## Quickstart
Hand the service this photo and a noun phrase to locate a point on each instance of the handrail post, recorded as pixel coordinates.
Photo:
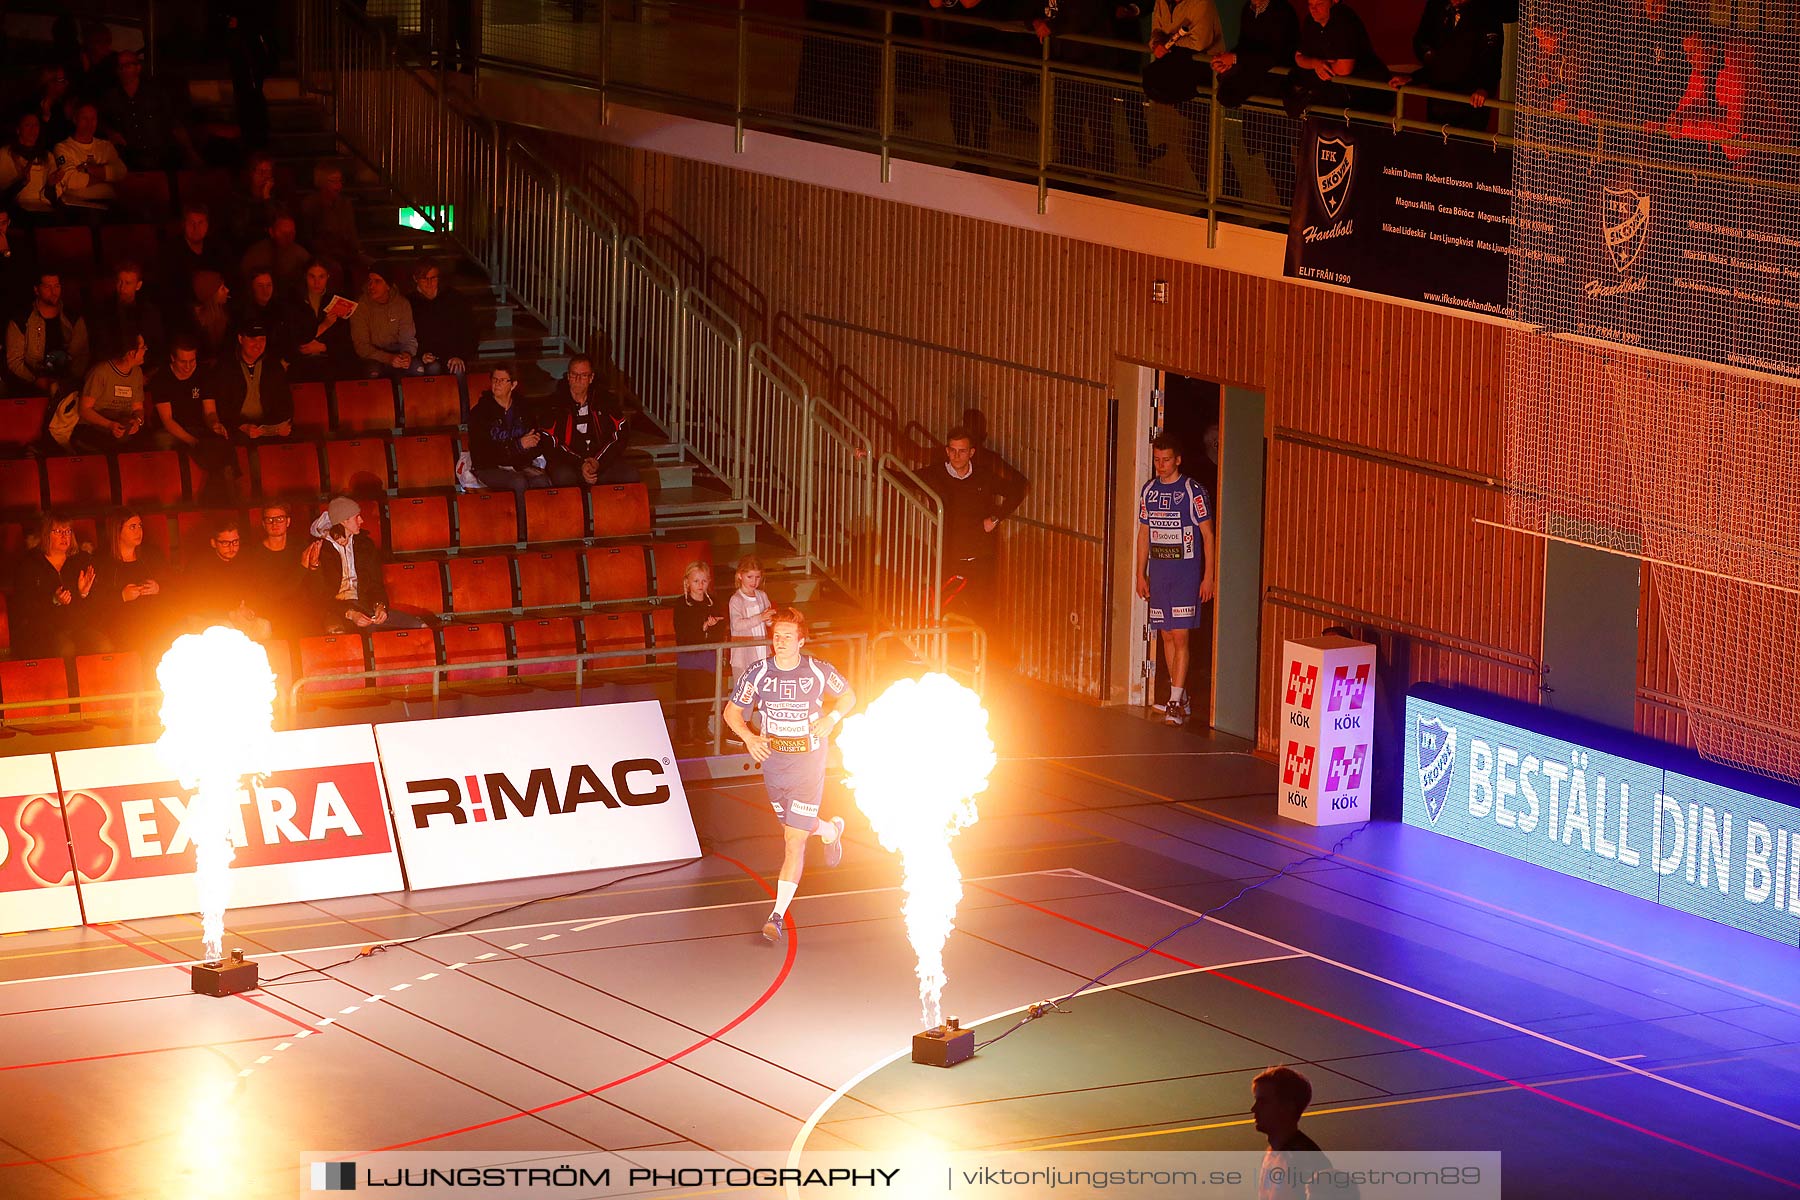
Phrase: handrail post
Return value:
(1044, 133)
(889, 90)
(1215, 165)
(605, 50)
(496, 239)
(558, 315)
(743, 79)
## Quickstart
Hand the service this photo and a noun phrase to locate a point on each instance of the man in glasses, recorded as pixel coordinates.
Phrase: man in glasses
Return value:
(589, 430)
(276, 561)
(442, 321)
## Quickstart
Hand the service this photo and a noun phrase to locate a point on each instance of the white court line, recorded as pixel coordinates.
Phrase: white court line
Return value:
(843, 1089)
(1620, 1063)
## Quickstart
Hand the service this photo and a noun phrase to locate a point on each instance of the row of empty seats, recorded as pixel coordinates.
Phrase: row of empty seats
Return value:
(434, 402)
(34, 689)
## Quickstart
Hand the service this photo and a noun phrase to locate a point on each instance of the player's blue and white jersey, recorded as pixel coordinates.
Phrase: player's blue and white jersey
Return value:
(789, 700)
(1174, 512)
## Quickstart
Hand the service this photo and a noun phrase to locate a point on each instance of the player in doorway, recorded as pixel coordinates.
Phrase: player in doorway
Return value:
(802, 700)
(1174, 574)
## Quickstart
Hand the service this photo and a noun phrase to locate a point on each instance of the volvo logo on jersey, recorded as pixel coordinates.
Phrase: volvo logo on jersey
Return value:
(535, 793)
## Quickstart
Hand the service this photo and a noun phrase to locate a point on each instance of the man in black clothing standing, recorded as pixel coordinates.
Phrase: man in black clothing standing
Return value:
(1334, 43)
(975, 499)
(1461, 45)
(1268, 36)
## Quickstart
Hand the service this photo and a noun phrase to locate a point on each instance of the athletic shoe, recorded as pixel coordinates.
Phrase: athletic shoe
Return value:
(1178, 713)
(834, 849)
(773, 930)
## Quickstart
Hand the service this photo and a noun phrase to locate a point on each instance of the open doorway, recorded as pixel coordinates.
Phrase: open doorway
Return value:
(1190, 414)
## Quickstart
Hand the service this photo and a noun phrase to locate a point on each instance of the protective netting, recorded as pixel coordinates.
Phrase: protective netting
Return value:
(1657, 254)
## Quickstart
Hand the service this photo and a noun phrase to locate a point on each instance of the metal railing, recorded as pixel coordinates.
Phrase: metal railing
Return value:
(785, 456)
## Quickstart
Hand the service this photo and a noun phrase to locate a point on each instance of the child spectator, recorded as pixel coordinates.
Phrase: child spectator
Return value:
(751, 614)
(698, 618)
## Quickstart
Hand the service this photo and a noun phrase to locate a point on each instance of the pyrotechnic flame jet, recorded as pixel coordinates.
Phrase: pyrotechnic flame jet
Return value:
(218, 710)
(917, 759)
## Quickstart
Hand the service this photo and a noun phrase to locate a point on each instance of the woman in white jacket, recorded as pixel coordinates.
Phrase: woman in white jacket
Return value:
(90, 164)
(26, 168)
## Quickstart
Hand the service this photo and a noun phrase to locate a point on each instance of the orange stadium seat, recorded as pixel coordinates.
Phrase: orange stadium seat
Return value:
(5, 629)
(211, 186)
(620, 510)
(475, 644)
(433, 402)
(481, 584)
(312, 409)
(371, 514)
(143, 196)
(141, 243)
(66, 249)
(613, 631)
(426, 460)
(554, 515)
(21, 488)
(549, 579)
(150, 478)
(544, 638)
(419, 523)
(395, 648)
(616, 573)
(107, 675)
(156, 532)
(288, 469)
(671, 561)
(475, 383)
(357, 466)
(33, 679)
(364, 405)
(22, 420)
(662, 629)
(416, 587)
(332, 654)
(486, 518)
(79, 481)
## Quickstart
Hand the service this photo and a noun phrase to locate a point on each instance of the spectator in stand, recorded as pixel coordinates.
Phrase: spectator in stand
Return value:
(90, 164)
(349, 591)
(264, 307)
(242, 29)
(142, 121)
(127, 595)
(588, 430)
(46, 350)
(751, 614)
(382, 329)
(1726, 102)
(209, 320)
(1083, 111)
(278, 563)
(444, 322)
(1131, 23)
(18, 266)
(506, 452)
(189, 419)
(51, 103)
(1461, 45)
(325, 351)
(48, 608)
(257, 200)
(1185, 35)
(251, 392)
(1560, 82)
(699, 620)
(220, 586)
(1268, 36)
(279, 253)
(112, 405)
(1334, 43)
(975, 501)
(94, 69)
(28, 172)
(196, 250)
(123, 314)
(1642, 73)
(328, 219)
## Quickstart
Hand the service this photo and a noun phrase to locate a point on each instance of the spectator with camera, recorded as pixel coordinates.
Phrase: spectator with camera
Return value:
(46, 349)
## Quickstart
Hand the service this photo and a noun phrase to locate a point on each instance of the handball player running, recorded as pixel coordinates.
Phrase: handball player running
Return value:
(802, 700)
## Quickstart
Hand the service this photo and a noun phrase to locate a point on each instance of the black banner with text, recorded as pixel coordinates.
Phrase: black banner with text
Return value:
(1403, 214)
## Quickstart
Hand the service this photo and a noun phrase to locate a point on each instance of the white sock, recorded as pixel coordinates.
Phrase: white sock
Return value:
(784, 895)
(1177, 695)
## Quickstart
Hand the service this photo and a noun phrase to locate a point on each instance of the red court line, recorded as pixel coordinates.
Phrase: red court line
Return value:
(781, 978)
(1411, 1045)
(65, 1062)
(251, 1000)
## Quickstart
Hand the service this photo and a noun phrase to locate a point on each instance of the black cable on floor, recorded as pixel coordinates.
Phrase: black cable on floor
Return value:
(377, 948)
(1046, 1007)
